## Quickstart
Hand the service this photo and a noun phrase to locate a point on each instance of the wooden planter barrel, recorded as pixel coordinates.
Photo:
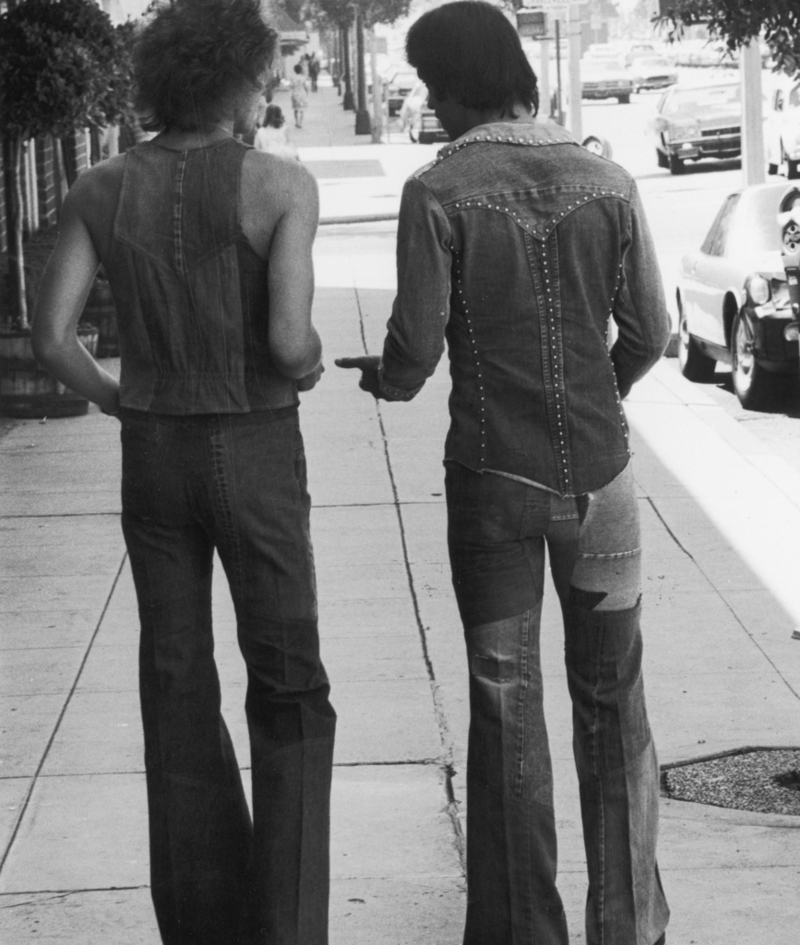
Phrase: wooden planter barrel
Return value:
(28, 391)
(101, 312)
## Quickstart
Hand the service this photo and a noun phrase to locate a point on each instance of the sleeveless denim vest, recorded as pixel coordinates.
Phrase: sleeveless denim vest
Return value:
(191, 293)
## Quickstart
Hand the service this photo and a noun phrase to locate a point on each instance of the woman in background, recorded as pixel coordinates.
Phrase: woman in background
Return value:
(272, 136)
(299, 92)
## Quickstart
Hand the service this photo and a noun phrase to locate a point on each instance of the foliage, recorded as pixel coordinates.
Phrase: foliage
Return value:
(62, 65)
(737, 22)
(341, 12)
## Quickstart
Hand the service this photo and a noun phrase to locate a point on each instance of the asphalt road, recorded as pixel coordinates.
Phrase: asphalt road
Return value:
(680, 211)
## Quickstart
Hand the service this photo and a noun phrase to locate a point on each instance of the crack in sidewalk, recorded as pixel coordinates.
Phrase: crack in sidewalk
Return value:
(35, 779)
(447, 766)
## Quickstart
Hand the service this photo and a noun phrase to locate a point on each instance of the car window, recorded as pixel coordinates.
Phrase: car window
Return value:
(699, 99)
(716, 241)
(759, 231)
(794, 97)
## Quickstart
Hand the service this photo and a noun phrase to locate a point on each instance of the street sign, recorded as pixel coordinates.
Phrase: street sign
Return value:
(532, 23)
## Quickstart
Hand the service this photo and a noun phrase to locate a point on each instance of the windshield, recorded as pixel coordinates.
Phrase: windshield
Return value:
(696, 100)
(602, 65)
(761, 230)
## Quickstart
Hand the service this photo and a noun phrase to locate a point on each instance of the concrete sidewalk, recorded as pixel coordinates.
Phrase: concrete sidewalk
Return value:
(721, 519)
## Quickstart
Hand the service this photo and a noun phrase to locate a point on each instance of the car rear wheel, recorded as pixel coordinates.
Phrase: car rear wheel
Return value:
(676, 165)
(753, 385)
(694, 364)
(624, 99)
(597, 145)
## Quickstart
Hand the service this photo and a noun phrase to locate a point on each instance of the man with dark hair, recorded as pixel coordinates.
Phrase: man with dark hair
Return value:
(207, 247)
(518, 247)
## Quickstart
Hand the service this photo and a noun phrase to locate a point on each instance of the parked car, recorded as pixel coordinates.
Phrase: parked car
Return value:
(733, 298)
(420, 121)
(652, 72)
(397, 88)
(695, 123)
(605, 78)
(782, 129)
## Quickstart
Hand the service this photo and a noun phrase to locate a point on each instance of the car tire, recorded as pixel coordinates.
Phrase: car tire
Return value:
(661, 158)
(752, 384)
(772, 169)
(792, 169)
(624, 99)
(694, 364)
(597, 145)
(676, 165)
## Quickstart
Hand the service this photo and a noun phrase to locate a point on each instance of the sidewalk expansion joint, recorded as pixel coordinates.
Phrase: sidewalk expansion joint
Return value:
(61, 894)
(389, 764)
(34, 780)
(448, 770)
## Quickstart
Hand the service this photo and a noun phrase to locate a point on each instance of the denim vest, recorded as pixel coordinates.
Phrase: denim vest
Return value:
(190, 292)
(519, 246)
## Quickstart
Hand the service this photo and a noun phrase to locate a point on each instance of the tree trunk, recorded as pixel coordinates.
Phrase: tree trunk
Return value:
(347, 102)
(377, 89)
(16, 257)
(59, 175)
(363, 123)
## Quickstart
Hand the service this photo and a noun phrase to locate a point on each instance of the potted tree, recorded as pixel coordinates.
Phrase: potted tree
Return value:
(63, 67)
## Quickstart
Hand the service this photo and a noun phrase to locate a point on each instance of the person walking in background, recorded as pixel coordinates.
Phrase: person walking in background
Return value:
(272, 136)
(313, 70)
(207, 244)
(518, 246)
(299, 93)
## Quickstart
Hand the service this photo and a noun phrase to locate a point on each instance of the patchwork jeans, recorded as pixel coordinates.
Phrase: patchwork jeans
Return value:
(497, 530)
(237, 484)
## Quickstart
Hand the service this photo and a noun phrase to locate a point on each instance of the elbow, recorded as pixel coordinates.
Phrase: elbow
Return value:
(45, 346)
(297, 361)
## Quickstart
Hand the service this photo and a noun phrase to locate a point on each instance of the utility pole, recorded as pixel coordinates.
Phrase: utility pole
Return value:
(575, 92)
(753, 160)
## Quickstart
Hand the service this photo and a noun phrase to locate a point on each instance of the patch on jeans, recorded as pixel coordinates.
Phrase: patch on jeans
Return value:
(586, 600)
(490, 667)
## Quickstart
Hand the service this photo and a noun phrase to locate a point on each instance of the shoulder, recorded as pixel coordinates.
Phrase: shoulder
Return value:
(273, 186)
(97, 189)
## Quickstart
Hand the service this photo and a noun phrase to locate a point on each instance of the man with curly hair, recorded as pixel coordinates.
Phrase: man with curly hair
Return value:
(518, 247)
(206, 244)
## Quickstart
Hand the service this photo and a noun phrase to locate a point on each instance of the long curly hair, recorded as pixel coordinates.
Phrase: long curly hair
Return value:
(195, 59)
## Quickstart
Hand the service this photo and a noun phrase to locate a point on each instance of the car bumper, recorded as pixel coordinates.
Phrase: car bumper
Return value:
(707, 146)
(770, 347)
(606, 92)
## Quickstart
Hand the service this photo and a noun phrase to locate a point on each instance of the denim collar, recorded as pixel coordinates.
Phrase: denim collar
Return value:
(509, 132)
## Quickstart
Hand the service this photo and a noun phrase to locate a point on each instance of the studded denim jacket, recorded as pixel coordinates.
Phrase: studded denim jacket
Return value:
(519, 246)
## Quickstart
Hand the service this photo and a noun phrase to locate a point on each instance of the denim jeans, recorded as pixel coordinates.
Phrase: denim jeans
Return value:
(497, 531)
(237, 484)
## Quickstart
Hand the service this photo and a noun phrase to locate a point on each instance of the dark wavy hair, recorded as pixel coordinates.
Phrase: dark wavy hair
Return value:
(195, 59)
(469, 51)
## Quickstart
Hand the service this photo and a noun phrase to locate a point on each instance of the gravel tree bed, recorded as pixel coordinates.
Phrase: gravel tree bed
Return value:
(762, 780)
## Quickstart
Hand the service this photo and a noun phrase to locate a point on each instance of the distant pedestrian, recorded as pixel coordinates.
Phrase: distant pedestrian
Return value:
(272, 135)
(299, 93)
(207, 246)
(313, 71)
(518, 247)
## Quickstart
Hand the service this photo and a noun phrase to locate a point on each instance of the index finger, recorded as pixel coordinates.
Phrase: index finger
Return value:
(349, 362)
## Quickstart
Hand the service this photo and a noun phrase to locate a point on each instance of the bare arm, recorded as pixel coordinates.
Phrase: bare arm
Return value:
(65, 286)
(294, 343)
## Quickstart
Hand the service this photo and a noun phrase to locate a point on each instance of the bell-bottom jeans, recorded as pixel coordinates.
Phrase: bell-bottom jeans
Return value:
(237, 484)
(497, 529)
